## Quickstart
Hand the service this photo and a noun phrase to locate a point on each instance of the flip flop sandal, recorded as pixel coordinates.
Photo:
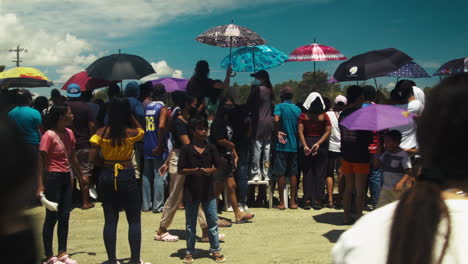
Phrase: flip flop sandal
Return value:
(219, 258)
(166, 237)
(280, 207)
(224, 223)
(50, 261)
(245, 218)
(188, 259)
(67, 260)
(293, 207)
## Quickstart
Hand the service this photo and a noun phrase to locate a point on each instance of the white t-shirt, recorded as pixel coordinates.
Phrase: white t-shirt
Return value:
(335, 136)
(368, 240)
(408, 132)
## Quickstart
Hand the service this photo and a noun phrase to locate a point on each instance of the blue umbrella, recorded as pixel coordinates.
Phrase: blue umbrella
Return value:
(252, 59)
(410, 70)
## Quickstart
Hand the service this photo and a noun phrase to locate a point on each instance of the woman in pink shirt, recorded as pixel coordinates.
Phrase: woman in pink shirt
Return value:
(57, 158)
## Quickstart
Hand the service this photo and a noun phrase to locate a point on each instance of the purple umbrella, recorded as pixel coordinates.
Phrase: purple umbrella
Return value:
(172, 84)
(377, 117)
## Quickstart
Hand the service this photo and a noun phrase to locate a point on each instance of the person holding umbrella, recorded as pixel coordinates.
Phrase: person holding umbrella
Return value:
(200, 86)
(356, 157)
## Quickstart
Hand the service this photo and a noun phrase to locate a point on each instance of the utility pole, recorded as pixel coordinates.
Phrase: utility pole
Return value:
(18, 50)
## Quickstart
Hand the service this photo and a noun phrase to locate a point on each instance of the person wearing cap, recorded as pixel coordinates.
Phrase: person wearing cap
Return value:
(29, 122)
(286, 160)
(83, 127)
(334, 153)
(260, 104)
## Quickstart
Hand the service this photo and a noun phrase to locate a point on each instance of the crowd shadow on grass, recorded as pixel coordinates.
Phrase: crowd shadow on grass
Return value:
(331, 218)
(199, 254)
(122, 261)
(333, 235)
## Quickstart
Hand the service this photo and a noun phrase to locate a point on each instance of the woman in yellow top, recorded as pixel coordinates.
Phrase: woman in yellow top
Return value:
(117, 186)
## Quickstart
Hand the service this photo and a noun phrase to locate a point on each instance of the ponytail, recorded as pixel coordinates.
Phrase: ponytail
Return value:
(416, 223)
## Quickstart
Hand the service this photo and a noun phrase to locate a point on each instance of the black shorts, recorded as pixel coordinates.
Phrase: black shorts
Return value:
(285, 164)
(224, 170)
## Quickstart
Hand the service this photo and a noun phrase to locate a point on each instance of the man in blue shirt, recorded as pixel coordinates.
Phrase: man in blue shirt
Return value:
(285, 165)
(29, 120)
(154, 150)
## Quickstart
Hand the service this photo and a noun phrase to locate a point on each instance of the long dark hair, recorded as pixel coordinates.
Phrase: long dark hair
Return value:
(222, 101)
(53, 115)
(119, 120)
(202, 69)
(421, 209)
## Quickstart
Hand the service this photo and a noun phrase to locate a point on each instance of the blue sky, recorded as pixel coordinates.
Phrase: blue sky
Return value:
(164, 32)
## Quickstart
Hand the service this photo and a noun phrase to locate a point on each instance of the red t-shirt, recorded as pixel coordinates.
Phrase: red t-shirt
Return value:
(56, 158)
(314, 128)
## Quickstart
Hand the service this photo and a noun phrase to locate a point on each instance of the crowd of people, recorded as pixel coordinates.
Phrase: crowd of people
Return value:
(147, 150)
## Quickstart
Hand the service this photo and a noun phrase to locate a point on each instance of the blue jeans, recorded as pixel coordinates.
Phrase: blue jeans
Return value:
(152, 180)
(260, 158)
(375, 184)
(57, 189)
(191, 213)
(242, 174)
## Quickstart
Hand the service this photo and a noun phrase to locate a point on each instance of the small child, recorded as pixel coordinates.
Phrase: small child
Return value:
(198, 162)
(396, 166)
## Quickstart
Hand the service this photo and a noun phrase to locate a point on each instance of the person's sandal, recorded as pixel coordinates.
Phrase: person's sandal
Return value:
(224, 223)
(51, 261)
(67, 260)
(218, 257)
(245, 218)
(188, 259)
(166, 237)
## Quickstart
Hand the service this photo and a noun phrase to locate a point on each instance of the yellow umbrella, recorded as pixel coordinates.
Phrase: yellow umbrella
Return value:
(24, 77)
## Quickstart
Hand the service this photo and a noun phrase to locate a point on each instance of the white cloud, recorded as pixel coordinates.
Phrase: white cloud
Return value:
(66, 72)
(43, 48)
(390, 85)
(162, 69)
(115, 18)
(429, 64)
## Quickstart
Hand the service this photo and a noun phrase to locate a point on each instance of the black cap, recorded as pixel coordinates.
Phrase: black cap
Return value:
(261, 74)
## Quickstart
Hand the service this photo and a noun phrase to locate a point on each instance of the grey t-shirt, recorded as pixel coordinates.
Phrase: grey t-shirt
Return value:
(261, 107)
(394, 166)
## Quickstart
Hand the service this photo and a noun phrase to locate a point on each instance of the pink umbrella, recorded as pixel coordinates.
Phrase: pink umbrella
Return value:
(315, 52)
(87, 83)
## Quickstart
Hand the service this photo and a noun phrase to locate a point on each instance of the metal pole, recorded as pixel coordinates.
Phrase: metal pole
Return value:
(253, 59)
(230, 50)
(121, 81)
(375, 81)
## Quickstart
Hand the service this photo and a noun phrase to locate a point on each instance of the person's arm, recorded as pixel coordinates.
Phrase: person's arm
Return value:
(378, 152)
(235, 157)
(300, 132)
(281, 135)
(161, 132)
(75, 164)
(135, 123)
(226, 144)
(94, 157)
(226, 82)
(42, 160)
(191, 171)
(401, 184)
(324, 137)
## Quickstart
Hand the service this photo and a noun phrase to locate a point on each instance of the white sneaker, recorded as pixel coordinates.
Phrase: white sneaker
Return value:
(256, 178)
(230, 209)
(93, 193)
(266, 178)
(241, 208)
(246, 208)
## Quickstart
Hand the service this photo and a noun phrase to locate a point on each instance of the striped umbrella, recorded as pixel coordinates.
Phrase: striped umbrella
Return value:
(315, 52)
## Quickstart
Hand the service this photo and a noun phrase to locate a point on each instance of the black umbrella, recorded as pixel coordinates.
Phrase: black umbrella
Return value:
(453, 66)
(371, 64)
(120, 67)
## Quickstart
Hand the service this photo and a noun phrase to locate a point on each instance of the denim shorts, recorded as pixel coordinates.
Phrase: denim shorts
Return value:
(285, 164)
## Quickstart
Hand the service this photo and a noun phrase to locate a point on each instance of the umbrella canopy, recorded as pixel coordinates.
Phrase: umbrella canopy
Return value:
(252, 59)
(453, 66)
(315, 52)
(120, 67)
(377, 117)
(371, 64)
(24, 77)
(230, 36)
(172, 84)
(85, 82)
(410, 70)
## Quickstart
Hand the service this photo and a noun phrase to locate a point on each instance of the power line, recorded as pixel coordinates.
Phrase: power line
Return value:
(17, 51)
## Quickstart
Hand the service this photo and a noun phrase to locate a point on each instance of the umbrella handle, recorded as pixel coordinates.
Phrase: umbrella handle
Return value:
(233, 74)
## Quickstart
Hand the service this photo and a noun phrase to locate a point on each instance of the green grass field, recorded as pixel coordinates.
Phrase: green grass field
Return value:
(289, 236)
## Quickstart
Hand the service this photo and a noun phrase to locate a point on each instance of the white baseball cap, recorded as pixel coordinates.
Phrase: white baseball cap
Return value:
(341, 99)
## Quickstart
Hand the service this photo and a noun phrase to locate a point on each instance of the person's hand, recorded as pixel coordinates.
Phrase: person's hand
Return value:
(307, 150)
(235, 160)
(314, 149)
(208, 171)
(229, 71)
(281, 137)
(411, 181)
(40, 189)
(399, 187)
(158, 151)
(163, 169)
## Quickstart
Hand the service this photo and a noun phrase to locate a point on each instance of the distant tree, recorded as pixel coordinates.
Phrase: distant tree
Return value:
(102, 94)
